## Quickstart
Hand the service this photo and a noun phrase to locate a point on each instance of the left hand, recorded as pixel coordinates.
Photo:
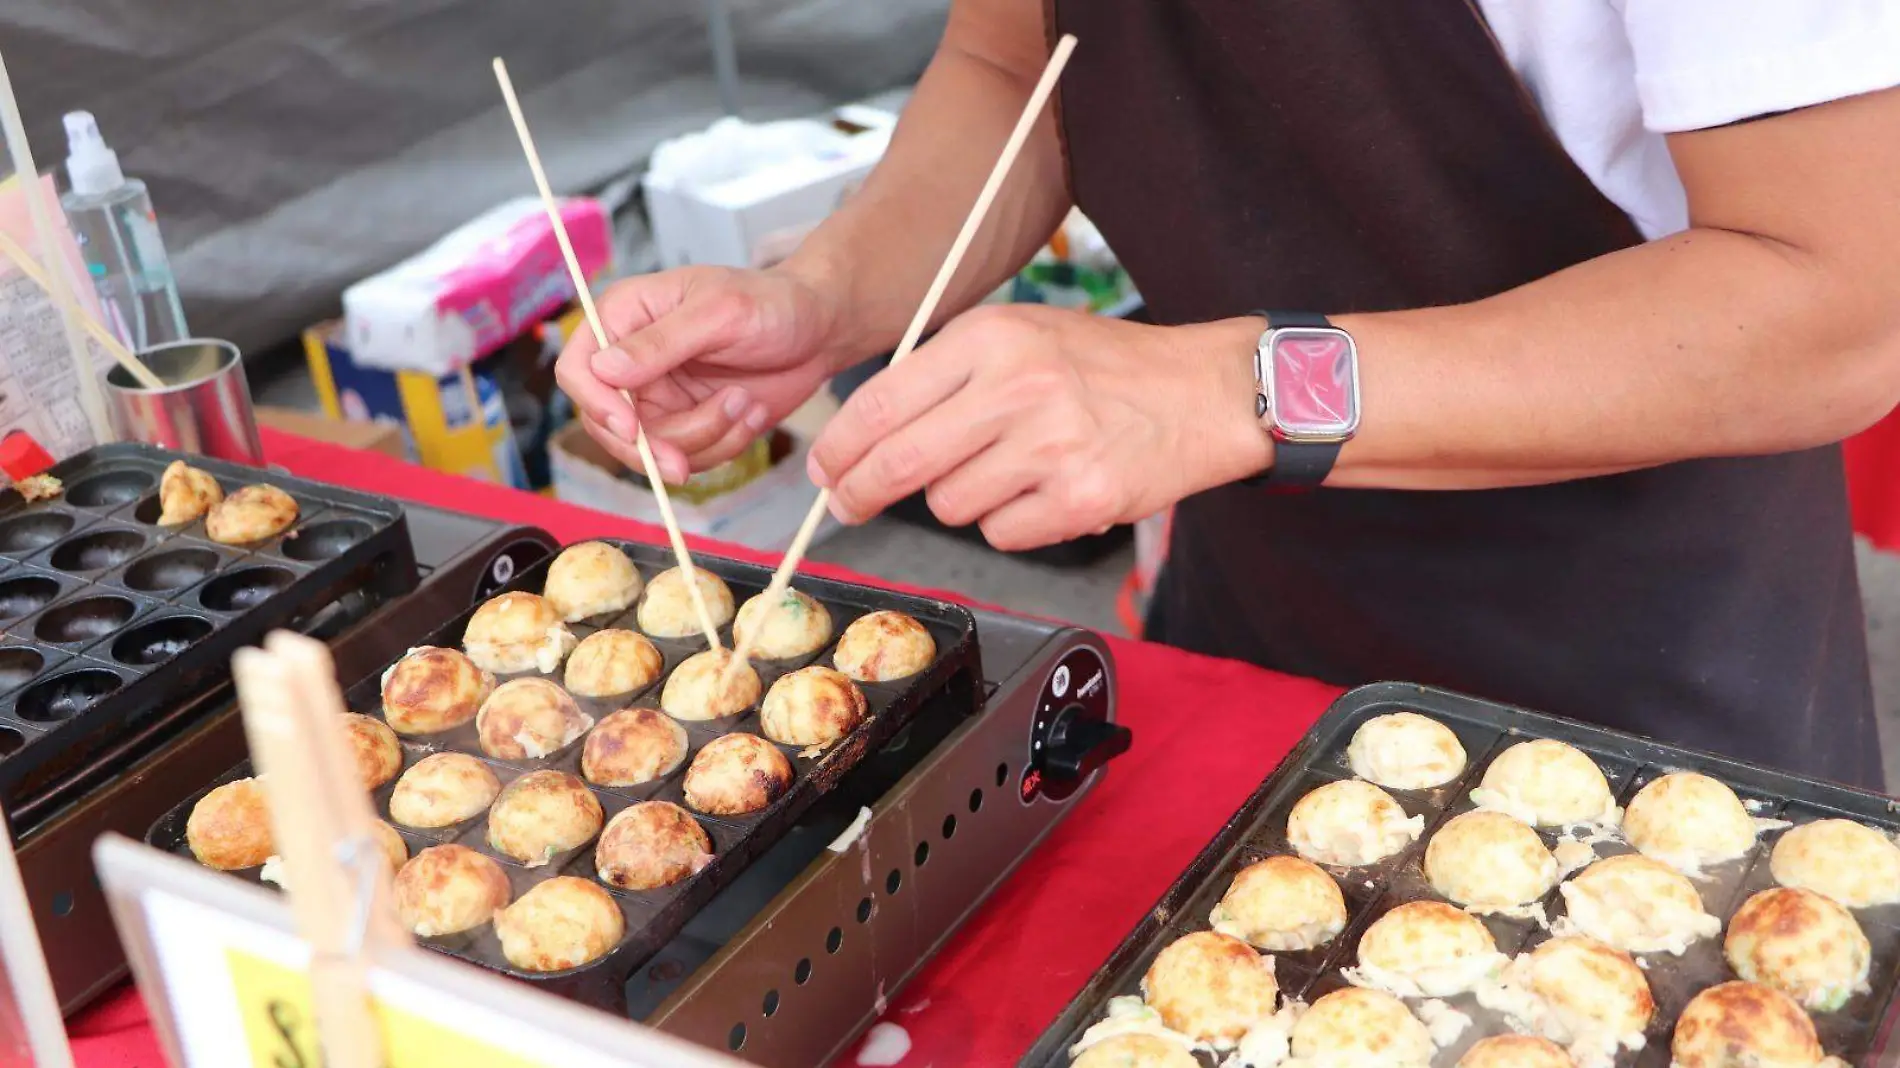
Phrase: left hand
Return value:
(1042, 425)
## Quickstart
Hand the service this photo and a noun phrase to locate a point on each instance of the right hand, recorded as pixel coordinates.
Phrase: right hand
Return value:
(713, 357)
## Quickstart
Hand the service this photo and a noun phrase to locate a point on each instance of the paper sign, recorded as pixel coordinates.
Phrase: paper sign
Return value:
(226, 981)
(39, 393)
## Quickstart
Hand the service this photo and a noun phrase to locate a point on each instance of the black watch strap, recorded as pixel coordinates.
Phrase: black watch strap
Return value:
(1296, 464)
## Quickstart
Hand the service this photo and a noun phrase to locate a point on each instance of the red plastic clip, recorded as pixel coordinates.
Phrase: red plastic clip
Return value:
(22, 457)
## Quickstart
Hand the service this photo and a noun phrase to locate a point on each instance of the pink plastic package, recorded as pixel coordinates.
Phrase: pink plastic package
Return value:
(483, 285)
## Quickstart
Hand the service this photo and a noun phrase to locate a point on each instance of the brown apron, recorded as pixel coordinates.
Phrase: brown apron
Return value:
(1364, 155)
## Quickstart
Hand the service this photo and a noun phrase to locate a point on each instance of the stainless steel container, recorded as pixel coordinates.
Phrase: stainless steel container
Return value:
(205, 407)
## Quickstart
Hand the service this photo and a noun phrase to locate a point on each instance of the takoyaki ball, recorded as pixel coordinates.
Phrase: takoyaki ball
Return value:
(1136, 1051)
(433, 689)
(650, 845)
(517, 632)
(667, 609)
(394, 849)
(884, 647)
(632, 746)
(374, 749)
(559, 924)
(1356, 1026)
(611, 662)
(252, 514)
(1855, 865)
(1688, 820)
(448, 889)
(591, 579)
(1801, 943)
(1547, 783)
(1282, 904)
(1210, 987)
(542, 815)
(699, 688)
(1743, 1025)
(229, 828)
(1516, 1051)
(797, 625)
(735, 774)
(185, 493)
(1489, 861)
(442, 790)
(1349, 823)
(1638, 905)
(1405, 751)
(812, 706)
(1427, 949)
(526, 719)
(1578, 992)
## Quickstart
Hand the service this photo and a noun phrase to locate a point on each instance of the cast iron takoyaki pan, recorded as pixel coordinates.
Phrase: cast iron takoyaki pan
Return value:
(109, 616)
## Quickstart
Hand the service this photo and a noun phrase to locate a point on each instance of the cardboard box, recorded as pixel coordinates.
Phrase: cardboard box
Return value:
(385, 438)
(763, 513)
(434, 415)
(739, 195)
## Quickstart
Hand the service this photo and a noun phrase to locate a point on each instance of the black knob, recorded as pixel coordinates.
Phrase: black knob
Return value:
(1077, 744)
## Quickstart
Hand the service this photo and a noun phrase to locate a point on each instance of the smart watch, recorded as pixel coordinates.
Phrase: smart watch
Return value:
(1306, 394)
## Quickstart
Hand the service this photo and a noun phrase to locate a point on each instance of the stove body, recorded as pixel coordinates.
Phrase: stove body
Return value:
(794, 960)
(460, 559)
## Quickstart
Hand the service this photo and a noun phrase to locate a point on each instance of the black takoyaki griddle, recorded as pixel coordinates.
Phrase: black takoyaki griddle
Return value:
(459, 560)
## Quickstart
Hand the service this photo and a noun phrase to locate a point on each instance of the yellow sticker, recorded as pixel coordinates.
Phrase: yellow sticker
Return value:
(280, 1026)
(274, 1001)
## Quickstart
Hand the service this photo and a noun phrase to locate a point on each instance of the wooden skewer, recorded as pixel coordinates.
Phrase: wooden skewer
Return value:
(586, 297)
(775, 593)
(107, 340)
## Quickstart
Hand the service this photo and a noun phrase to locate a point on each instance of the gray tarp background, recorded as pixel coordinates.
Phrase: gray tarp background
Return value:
(293, 146)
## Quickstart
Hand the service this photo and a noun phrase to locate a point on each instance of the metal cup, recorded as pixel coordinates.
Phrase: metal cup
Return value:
(205, 408)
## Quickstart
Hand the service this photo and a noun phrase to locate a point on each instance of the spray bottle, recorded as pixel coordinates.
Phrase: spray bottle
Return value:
(112, 217)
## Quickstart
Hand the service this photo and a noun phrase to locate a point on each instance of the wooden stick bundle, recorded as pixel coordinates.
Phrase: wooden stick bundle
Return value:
(336, 877)
(775, 594)
(601, 339)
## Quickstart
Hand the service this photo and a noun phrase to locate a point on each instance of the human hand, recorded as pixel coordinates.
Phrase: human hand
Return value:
(712, 356)
(1042, 425)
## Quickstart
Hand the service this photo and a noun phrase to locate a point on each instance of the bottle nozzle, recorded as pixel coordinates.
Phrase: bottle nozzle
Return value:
(91, 165)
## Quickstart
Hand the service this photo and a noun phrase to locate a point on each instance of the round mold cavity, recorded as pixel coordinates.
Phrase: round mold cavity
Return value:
(110, 490)
(11, 742)
(66, 696)
(26, 594)
(18, 665)
(245, 588)
(172, 569)
(160, 640)
(325, 540)
(35, 530)
(87, 619)
(97, 550)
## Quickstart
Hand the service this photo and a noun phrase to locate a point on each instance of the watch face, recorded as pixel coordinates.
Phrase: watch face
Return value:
(1313, 383)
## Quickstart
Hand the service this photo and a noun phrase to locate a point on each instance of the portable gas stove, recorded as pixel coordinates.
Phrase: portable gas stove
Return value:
(460, 560)
(790, 963)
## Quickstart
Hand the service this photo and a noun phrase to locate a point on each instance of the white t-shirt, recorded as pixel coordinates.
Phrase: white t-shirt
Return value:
(1614, 76)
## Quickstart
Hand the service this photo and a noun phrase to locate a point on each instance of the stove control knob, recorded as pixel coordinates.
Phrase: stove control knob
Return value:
(1073, 733)
(1077, 744)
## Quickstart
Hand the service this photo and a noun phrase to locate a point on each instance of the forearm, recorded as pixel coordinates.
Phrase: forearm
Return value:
(875, 257)
(1709, 343)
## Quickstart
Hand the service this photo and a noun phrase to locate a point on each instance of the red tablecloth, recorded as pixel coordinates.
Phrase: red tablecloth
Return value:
(995, 987)
(1873, 481)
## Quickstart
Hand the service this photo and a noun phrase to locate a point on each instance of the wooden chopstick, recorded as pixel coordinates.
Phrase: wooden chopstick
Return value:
(782, 578)
(586, 297)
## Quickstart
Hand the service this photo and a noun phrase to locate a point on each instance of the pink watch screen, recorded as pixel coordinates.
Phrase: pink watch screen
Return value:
(1313, 387)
